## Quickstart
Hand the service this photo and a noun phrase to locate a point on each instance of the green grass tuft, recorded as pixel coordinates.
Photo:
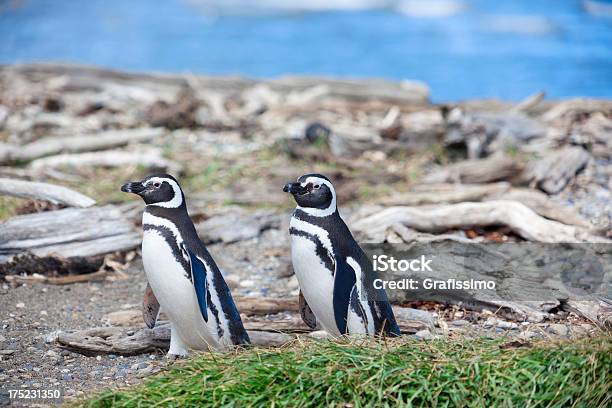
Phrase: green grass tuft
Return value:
(405, 372)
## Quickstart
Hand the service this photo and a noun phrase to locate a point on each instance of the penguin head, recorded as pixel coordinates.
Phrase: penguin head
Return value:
(314, 194)
(161, 190)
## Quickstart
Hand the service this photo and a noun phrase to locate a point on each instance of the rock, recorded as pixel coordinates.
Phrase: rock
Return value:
(292, 283)
(502, 324)
(232, 280)
(409, 314)
(317, 133)
(52, 337)
(6, 352)
(20, 305)
(320, 334)
(460, 323)
(424, 335)
(67, 377)
(558, 329)
(247, 283)
(2, 338)
(526, 335)
(124, 318)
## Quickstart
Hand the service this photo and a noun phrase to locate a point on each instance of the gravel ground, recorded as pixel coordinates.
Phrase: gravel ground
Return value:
(30, 314)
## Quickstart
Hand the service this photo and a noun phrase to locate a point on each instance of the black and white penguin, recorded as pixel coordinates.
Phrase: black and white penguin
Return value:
(331, 268)
(182, 276)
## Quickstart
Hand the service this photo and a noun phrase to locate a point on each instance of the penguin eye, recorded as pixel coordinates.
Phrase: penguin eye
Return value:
(316, 186)
(157, 184)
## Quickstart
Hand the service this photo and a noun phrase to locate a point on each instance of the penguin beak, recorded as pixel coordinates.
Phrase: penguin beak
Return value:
(294, 188)
(135, 187)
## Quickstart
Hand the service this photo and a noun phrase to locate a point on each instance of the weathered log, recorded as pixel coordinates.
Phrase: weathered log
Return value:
(264, 306)
(44, 191)
(518, 217)
(494, 168)
(66, 234)
(446, 194)
(132, 341)
(597, 310)
(555, 170)
(151, 158)
(404, 92)
(236, 226)
(529, 102)
(431, 194)
(82, 143)
(541, 204)
(528, 280)
(57, 280)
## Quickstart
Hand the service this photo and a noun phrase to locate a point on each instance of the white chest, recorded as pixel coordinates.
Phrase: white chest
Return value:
(316, 281)
(176, 294)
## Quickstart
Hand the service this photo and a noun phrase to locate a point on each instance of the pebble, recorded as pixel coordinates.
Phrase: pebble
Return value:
(20, 305)
(232, 280)
(558, 329)
(460, 322)
(319, 334)
(423, 335)
(67, 377)
(526, 335)
(247, 283)
(407, 313)
(52, 337)
(2, 338)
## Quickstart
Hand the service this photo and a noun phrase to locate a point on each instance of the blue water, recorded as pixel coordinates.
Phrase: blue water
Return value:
(486, 48)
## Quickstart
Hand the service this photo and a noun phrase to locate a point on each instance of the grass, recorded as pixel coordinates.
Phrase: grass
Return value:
(405, 372)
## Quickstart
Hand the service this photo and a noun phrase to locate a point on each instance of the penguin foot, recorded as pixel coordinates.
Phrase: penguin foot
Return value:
(173, 357)
(177, 345)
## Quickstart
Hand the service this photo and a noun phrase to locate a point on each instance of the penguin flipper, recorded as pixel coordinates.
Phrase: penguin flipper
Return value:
(307, 315)
(344, 280)
(357, 308)
(150, 307)
(198, 275)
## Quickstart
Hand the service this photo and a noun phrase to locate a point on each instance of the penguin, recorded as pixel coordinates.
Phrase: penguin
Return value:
(332, 270)
(183, 278)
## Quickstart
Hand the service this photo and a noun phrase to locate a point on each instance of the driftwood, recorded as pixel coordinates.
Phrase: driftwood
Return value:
(494, 168)
(66, 234)
(265, 306)
(44, 191)
(541, 204)
(446, 194)
(236, 226)
(518, 217)
(431, 194)
(530, 279)
(131, 341)
(58, 280)
(82, 143)
(360, 90)
(529, 102)
(151, 159)
(555, 170)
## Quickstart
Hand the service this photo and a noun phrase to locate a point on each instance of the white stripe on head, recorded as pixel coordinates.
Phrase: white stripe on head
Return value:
(318, 212)
(177, 199)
